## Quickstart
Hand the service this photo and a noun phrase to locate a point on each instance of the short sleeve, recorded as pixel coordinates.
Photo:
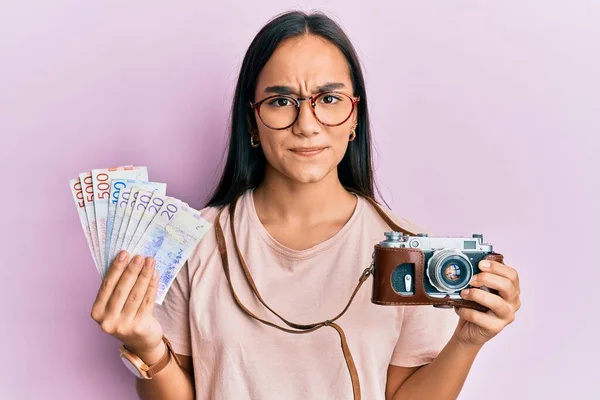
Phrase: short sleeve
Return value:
(424, 332)
(173, 314)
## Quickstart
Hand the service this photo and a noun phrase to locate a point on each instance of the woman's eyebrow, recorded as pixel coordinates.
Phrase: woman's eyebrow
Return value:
(328, 87)
(287, 90)
(278, 89)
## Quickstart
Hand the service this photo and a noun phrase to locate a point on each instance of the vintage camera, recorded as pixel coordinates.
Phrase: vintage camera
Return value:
(423, 270)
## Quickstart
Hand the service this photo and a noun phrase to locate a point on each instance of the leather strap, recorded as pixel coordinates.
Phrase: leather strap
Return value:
(305, 328)
(164, 361)
(300, 328)
(296, 328)
(385, 216)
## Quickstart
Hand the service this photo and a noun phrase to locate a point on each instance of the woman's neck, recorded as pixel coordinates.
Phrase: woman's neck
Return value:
(279, 199)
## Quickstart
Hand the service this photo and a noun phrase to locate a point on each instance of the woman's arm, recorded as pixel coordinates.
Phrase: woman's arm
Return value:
(124, 309)
(444, 377)
(441, 379)
(172, 383)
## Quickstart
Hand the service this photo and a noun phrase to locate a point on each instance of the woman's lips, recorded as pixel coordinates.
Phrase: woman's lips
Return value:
(308, 151)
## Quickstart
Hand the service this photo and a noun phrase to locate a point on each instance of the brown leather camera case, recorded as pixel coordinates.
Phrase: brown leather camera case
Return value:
(388, 258)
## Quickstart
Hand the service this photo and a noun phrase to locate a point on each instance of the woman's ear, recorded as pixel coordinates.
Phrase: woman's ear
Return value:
(354, 120)
(354, 117)
(251, 121)
(252, 129)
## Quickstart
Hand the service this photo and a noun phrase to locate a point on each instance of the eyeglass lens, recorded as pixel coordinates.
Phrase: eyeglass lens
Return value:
(330, 109)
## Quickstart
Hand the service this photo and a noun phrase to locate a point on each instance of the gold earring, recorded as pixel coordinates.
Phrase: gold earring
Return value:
(352, 133)
(253, 141)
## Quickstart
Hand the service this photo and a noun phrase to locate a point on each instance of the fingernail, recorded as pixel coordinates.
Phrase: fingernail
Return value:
(155, 274)
(122, 255)
(138, 260)
(484, 264)
(465, 292)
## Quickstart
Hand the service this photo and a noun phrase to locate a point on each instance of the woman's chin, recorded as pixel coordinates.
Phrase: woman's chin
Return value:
(312, 175)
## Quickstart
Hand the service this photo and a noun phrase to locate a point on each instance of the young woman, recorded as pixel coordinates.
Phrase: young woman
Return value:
(254, 312)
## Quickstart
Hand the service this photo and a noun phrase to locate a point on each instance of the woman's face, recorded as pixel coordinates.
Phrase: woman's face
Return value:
(308, 151)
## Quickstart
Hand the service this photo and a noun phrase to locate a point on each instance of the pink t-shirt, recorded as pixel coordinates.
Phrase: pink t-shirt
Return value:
(236, 357)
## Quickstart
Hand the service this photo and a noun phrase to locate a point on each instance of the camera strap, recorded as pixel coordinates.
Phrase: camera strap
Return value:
(294, 327)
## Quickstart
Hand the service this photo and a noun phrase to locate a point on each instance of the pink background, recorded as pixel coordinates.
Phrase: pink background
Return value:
(485, 116)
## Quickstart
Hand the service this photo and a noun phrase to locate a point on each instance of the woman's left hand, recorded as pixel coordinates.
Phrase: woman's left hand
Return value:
(477, 327)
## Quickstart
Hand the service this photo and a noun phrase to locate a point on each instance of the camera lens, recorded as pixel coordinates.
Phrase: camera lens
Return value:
(449, 271)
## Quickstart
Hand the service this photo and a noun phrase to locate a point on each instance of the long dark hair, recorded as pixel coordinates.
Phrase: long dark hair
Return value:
(245, 165)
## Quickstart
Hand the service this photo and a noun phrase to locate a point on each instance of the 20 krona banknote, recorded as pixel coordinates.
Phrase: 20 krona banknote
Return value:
(119, 209)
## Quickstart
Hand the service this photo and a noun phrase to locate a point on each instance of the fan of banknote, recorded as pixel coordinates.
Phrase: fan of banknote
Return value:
(120, 209)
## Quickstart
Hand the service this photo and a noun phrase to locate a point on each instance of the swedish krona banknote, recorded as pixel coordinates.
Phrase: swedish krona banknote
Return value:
(120, 209)
(170, 238)
(101, 179)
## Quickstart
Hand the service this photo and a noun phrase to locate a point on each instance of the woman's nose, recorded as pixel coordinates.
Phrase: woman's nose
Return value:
(306, 124)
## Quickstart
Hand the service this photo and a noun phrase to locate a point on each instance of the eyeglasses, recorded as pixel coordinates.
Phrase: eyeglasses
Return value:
(281, 111)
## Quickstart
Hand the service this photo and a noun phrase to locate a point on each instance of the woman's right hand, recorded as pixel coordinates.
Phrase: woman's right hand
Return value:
(125, 301)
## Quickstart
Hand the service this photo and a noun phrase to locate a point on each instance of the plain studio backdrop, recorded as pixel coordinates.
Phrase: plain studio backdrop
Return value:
(485, 119)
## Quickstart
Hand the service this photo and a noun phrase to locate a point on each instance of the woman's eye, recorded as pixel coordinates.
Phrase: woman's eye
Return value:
(280, 102)
(330, 99)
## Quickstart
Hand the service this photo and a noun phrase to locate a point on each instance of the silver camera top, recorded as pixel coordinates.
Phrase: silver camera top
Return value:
(425, 243)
